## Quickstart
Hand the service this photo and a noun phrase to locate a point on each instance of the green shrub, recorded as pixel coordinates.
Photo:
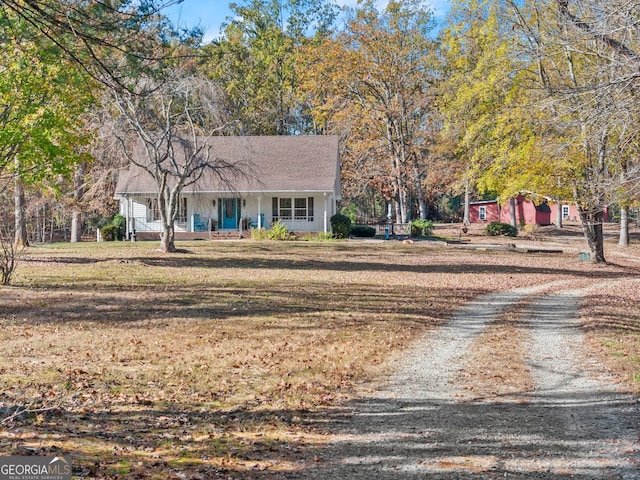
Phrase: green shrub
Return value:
(109, 233)
(115, 230)
(120, 225)
(340, 225)
(495, 229)
(421, 228)
(279, 231)
(259, 234)
(363, 231)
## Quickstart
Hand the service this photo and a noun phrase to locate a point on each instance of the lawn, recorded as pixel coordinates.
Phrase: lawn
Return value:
(224, 360)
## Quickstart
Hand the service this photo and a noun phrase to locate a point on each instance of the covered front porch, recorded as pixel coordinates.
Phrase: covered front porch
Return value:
(203, 213)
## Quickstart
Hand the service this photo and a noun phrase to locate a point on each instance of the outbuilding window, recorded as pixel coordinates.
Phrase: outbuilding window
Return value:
(482, 213)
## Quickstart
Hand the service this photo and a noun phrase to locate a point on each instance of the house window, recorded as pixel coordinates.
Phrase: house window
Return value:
(565, 212)
(482, 213)
(153, 210)
(284, 211)
(285, 208)
(182, 211)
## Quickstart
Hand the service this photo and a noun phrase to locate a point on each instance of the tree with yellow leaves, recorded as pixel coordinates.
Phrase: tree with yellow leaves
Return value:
(43, 100)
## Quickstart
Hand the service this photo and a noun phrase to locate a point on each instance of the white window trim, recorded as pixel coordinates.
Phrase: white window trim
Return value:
(307, 213)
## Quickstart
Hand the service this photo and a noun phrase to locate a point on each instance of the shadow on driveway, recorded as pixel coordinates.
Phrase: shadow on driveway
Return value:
(589, 436)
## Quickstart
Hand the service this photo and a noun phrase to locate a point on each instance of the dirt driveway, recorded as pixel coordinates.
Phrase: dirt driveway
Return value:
(454, 409)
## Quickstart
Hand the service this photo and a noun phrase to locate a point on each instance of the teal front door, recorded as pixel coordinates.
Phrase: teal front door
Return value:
(229, 213)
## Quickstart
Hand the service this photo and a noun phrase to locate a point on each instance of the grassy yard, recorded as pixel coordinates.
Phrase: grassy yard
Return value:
(225, 359)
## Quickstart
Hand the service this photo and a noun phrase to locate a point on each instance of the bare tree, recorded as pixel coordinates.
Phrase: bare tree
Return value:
(164, 130)
(9, 256)
(10, 252)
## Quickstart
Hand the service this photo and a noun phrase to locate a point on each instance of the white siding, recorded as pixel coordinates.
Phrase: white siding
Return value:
(206, 206)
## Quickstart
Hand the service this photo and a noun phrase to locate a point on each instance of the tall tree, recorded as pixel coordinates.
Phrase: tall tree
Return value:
(587, 60)
(377, 81)
(43, 101)
(475, 89)
(256, 62)
(550, 127)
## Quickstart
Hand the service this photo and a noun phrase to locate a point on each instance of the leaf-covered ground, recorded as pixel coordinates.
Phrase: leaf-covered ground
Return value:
(220, 361)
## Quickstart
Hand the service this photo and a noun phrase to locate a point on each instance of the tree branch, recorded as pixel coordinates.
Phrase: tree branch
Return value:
(612, 43)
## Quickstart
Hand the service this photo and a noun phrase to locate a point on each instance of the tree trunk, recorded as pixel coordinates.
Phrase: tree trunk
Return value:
(76, 213)
(167, 239)
(422, 203)
(402, 202)
(76, 225)
(397, 167)
(624, 227)
(512, 212)
(467, 202)
(43, 231)
(559, 215)
(592, 229)
(52, 224)
(20, 238)
(168, 209)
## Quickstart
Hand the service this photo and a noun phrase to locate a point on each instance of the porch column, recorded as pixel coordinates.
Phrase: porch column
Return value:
(132, 219)
(127, 222)
(325, 213)
(259, 212)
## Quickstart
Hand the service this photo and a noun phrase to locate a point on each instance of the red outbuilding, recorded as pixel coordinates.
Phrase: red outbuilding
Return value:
(527, 212)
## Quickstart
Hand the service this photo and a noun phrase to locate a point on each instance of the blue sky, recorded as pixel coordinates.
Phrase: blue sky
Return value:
(209, 14)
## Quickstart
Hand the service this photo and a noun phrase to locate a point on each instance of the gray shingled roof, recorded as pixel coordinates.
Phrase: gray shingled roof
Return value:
(271, 164)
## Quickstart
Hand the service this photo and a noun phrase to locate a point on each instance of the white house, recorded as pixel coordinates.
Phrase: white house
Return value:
(294, 179)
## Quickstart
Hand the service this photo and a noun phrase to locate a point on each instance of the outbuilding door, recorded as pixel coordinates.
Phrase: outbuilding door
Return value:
(229, 213)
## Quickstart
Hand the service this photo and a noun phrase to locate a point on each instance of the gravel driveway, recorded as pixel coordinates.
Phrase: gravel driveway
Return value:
(574, 422)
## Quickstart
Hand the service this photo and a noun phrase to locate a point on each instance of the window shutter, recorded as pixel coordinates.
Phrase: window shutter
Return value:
(310, 209)
(274, 207)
